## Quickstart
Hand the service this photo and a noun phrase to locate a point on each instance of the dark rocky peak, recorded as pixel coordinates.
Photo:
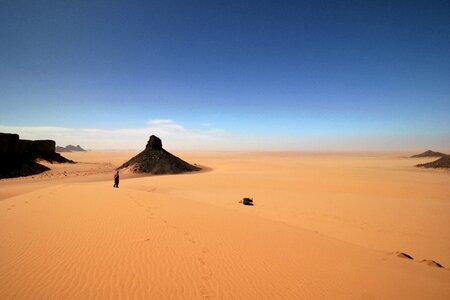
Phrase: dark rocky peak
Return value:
(154, 143)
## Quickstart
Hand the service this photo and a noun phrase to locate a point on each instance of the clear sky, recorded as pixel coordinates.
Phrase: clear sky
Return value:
(269, 75)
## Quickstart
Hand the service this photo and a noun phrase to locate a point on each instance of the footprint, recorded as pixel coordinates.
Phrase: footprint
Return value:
(204, 292)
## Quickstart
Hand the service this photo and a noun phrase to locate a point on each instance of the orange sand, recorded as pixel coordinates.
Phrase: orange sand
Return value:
(324, 226)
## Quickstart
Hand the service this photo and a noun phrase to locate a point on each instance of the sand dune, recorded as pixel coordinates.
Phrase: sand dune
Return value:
(323, 227)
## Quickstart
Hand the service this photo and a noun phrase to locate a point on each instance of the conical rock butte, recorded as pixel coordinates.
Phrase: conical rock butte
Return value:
(155, 160)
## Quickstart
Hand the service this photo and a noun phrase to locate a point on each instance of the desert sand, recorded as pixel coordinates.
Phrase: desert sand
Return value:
(324, 226)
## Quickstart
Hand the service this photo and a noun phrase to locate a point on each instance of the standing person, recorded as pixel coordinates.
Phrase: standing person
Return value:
(116, 179)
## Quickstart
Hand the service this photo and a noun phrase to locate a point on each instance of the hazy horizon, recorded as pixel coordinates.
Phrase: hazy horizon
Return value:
(182, 139)
(294, 76)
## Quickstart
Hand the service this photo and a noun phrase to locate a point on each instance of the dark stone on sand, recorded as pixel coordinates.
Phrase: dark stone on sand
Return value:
(155, 160)
(443, 162)
(429, 153)
(247, 201)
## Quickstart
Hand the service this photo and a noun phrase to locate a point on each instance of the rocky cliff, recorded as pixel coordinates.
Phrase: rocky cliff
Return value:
(18, 157)
(9, 144)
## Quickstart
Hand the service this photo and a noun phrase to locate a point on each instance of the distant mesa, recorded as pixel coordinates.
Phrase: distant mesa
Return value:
(69, 148)
(61, 149)
(429, 153)
(155, 160)
(18, 157)
(443, 162)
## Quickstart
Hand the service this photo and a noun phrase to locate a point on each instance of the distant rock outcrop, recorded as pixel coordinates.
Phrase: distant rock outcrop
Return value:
(74, 148)
(155, 160)
(443, 162)
(429, 153)
(69, 148)
(18, 157)
(61, 149)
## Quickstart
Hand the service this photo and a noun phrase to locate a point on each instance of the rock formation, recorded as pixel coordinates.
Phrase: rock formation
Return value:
(60, 149)
(69, 148)
(18, 157)
(9, 144)
(155, 160)
(429, 153)
(443, 162)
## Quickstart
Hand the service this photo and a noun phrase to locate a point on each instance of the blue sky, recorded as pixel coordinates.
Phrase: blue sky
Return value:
(295, 75)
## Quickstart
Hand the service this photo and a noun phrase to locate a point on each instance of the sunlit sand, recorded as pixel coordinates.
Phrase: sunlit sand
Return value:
(323, 226)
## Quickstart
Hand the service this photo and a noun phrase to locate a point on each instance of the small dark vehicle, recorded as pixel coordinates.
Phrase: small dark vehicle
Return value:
(247, 201)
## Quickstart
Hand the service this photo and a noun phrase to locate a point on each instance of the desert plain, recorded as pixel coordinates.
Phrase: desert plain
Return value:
(324, 226)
